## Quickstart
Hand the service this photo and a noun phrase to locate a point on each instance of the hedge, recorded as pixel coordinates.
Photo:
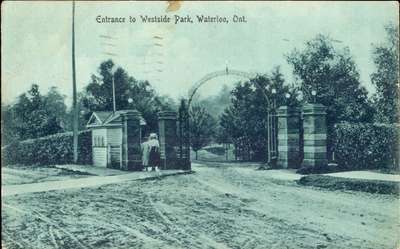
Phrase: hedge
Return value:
(341, 183)
(366, 146)
(53, 149)
(323, 169)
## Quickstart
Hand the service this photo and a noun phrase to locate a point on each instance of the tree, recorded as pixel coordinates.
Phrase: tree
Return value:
(335, 77)
(227, 132)
(8, 126)
(202, 127)
(98, 95)
(386, 77)
(34, 115)
(99, 91)
(215, 104)
(55, 107)
(244, 121)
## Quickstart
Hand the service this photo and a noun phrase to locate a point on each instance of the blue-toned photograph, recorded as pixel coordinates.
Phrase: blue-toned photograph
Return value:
(200, 124)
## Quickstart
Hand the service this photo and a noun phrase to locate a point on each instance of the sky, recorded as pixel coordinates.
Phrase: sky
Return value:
(36, 41)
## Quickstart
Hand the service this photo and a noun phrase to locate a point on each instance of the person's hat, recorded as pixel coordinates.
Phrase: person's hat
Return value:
(153, 136)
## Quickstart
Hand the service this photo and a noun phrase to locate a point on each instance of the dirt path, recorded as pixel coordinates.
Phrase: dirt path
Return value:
(342, 215)
(82, 182)
(224, 207)
(25, 174)
(367, 175)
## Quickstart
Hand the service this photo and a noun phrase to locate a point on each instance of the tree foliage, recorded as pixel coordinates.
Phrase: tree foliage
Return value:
(386, 77)
(333, 74)
(202, 127)
(215, 104)
(367, 146)
(244, 121)
(98, 95)
(47, 150)
(34, 115)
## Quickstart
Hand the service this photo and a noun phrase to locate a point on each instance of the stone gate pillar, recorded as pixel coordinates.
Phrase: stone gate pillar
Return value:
(314, 125)
(183, 138)
(168, 139)
(131, 151)
(288, 137)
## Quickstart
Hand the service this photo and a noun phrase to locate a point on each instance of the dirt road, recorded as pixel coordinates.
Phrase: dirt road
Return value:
(87, 182)
(217, 207)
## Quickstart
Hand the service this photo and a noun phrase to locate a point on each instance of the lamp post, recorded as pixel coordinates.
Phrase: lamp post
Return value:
(299, 96)
(112, 72)
(314, 94)
(273, 91)
(311, 96)
(113, 86)
(130, 101)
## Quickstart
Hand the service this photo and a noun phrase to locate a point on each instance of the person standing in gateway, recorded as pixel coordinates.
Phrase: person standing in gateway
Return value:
(151, 152)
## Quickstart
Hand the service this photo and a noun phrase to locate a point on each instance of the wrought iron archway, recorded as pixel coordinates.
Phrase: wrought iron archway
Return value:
(217, 74)
(271, 115)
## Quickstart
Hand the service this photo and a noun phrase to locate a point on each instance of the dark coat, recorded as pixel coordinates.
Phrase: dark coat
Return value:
(154, 156)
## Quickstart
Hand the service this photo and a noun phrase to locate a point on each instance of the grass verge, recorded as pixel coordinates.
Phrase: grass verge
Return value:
(341, 183)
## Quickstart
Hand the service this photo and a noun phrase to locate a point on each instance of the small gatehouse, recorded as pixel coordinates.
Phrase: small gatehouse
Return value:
(117, 138)
(107, 137)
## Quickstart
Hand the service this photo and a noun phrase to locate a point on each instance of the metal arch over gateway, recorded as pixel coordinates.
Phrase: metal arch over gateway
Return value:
(220, 73)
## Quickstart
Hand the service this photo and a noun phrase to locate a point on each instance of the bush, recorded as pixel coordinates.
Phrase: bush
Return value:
(53, 149)
(366, 146)
(330, 168)
(341, 183)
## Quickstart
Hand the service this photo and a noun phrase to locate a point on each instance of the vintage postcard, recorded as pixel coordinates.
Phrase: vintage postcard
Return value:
(200, 124)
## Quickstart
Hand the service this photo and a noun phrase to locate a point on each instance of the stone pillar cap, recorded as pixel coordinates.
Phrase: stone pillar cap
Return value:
(284, 110)
(130, 114)
(167, 115)
(314, 108)
(288, 108)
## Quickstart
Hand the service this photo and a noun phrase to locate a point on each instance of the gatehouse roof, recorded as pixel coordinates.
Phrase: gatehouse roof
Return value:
(108, 118)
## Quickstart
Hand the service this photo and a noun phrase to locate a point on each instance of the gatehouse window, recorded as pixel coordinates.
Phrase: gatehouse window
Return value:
(98, 141)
